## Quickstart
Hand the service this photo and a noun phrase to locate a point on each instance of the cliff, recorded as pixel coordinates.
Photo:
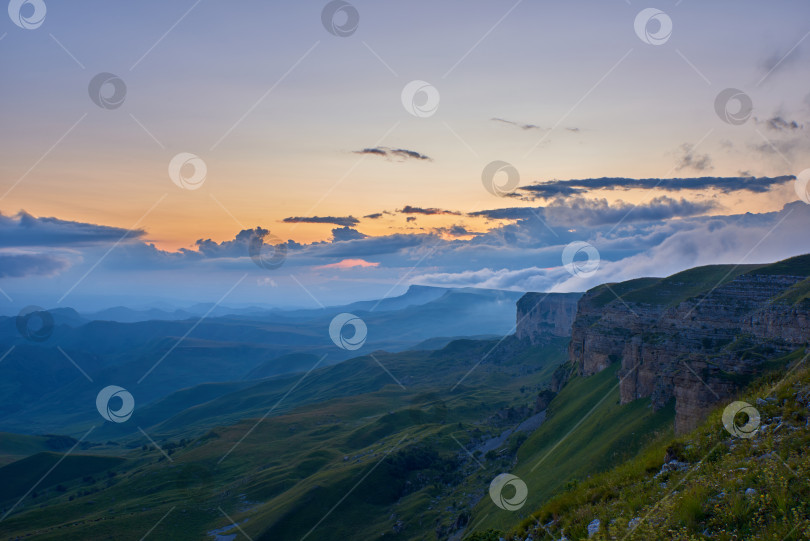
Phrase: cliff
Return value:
(545, 314)
(695, 336)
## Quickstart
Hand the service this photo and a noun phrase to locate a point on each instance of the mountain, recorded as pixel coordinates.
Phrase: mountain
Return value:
(415, 295)
(696, 336)
(404, 444)
(282, 451)
(44, 391)
(539, 314)
(707, 484)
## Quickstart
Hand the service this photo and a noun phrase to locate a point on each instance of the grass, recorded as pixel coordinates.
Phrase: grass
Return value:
(347, 423)
(707, 499)
(587, 431)
(796, 294)
(21, 475)
(674, 289)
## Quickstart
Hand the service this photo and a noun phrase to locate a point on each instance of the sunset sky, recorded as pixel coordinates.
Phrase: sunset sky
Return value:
(292, 121)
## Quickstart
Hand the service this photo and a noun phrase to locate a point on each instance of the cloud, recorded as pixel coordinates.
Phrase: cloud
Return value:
(379, 151)
(518, 124)
(688, 159)
(724, 184)
(236, 248)
(374, 216)
(410, 219)
(786, 140)
(343, 221)
(780, 124)
(23, 229)
(740, 239)
(525, 126)
(552, 189)
(598, 212)
(457, 231)
(526, 279)
(513, 213)
(408, 209)
(782, 58)
(659, 237)
(16, 265)
(346, 233)
(653, 249)
(350, 264)
(578, 211)
(783, 149)
(365, 247)
(387, 152)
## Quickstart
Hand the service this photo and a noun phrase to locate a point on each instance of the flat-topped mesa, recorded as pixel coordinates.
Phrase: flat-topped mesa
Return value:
(545, 314)
(694, 335)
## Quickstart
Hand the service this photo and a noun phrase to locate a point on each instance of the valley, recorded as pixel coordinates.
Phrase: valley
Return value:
(404, 444)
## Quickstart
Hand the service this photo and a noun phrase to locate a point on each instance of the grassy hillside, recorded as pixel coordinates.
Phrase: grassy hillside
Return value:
(350, 425)
(719, 487)
(587, 431)
(18, 477)
(17, 446)
(674, 289)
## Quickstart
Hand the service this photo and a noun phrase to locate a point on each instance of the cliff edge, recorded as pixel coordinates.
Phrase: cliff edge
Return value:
(696, 336)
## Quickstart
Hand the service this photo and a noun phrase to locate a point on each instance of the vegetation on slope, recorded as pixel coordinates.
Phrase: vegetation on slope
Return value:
(587, 431)
(351, 426)
(708, 484)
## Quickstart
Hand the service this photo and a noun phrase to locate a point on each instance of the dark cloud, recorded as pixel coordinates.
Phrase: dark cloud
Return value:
(340, 220)
(387, 152)
(408, 209)
(523, 126)
(27, 230)
(378, 151)
(518, 124)
(374, 216)
(410, 219)
(457, 231)
(724, 184)
(514, 213)
(236, 248)
(404, 153)
(16, 265)
(346, 233)
(786, 140)
(549, 190)
(689, 159)
(780, 124)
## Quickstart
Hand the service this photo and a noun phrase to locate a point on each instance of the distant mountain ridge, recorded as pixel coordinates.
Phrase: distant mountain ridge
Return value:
(414, 295)
(250, 345)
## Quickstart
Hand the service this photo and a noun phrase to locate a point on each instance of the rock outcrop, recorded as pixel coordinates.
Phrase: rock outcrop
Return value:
(545, 314)
(677, 339)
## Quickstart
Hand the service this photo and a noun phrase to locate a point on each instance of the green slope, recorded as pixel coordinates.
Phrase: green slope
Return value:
(350, 425)
(706, 497)
(18, 477)
(587, 431)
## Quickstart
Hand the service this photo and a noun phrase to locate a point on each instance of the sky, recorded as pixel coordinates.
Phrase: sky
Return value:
(145, 147)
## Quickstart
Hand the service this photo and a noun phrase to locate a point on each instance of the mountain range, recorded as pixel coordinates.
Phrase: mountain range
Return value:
(581, 397)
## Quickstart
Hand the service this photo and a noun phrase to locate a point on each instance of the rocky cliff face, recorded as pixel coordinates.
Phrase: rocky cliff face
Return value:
(545, 314)
(693, 349)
